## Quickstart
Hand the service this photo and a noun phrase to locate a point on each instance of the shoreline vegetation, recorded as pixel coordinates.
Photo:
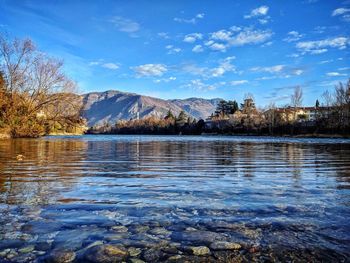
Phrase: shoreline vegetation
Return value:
(331, 119)
(37, 99)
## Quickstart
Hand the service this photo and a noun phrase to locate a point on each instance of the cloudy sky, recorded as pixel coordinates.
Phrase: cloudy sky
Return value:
(180, 49)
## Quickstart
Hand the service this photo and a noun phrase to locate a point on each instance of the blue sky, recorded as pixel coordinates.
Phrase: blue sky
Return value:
(180, 49)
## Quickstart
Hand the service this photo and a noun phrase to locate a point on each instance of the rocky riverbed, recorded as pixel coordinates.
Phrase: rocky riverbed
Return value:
(174, 199)
(108, 236)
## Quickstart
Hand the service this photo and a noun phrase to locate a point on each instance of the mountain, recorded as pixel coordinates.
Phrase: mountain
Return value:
(113, 105)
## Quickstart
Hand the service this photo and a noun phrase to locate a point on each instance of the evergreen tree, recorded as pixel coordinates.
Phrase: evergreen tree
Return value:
(221, 108)
(169, 115)
(317, 104)
(182, 118)
(232, 107)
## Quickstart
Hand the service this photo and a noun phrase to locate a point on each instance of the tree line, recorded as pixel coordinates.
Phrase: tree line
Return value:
(36, 97)
(330, 115)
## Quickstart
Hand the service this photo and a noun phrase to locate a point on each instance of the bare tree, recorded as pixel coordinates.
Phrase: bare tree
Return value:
(296, 98)
(271, 116)
(34, 84)
(342, 102)
(327, 98)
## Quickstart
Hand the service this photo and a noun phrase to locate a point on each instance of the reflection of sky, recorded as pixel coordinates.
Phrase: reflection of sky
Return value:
(93, 179)
(154, 171)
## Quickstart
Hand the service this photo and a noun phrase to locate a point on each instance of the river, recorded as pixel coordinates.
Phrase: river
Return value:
(174, 198)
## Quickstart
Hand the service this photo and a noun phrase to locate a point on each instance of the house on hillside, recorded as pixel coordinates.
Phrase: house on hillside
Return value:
(297, 114)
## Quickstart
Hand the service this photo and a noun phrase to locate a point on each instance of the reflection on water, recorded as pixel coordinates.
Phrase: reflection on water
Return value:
(277, 198)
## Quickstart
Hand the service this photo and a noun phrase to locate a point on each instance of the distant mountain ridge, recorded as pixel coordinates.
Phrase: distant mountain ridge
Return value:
(113, 105)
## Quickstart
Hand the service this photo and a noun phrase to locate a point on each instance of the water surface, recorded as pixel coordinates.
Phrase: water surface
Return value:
(278, 198)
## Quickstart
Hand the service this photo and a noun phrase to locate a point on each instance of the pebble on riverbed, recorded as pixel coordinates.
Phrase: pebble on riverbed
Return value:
(25, 250)
(106, 254)
(121, 229)
(200, 251)
(223, 245)
(134, 252)
(61, 256)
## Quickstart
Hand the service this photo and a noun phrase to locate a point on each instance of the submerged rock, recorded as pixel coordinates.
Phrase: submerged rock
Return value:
(134, 252)
(122, 229)
(223, 245)
(61, 256)
(200, 251)
(106, 254)
(4, 252)
(43, 246)
(174, 258)
(198, 236)
(153, 255)
(160, 231)
(139, 228)
(25, 250)
(12, 254)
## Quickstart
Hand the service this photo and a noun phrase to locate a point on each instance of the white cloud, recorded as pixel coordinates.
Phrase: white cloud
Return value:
(208, 43)
(193, 20)
(293, 36)
(125, 24)
(197, 49)
(325, 61)
(238, 82)
(112, 66)
(222, 35)
(194, 70)
(278, 71)
(318, 47)
(260, 11)
(318, 51)
(267, 44)
(249, 36)
(343, 12)
(191, 38)
(108, 65)
(147, 70)
(294, 55)
(340, 11)
(164, 35)
(218, 47)
(334, 74)
(235, 28)
(198, 85)
(272, 69)
(263, 21)
(224, 66)
(298, 72)
(266, 78)
(94, 63)
(173, 50)
(166, 80)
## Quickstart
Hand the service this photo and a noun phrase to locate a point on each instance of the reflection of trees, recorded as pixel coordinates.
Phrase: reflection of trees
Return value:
(48, 167)
(339, 156)
(51, 166)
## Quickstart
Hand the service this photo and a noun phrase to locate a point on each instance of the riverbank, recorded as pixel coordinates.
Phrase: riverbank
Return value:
(4, 136)
(308, 135)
